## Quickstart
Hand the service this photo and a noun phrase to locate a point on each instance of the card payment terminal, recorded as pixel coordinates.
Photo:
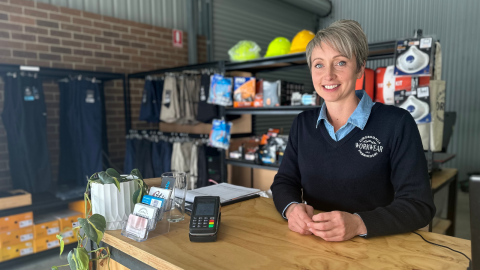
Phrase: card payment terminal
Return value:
(205, 219)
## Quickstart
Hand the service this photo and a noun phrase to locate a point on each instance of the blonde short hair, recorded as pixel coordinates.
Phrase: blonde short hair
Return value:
(345, 36)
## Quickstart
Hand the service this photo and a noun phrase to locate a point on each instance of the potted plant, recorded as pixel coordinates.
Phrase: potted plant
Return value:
(94, 226)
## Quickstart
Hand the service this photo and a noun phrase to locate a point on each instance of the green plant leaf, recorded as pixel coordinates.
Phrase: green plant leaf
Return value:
(82, 258)
(62, 244)
(94, 227)
(94, 177)
(72, 260)
(137, 173)
(107, 179)
(88, 229)
(113, 173)
(54, 268)
(137, 196)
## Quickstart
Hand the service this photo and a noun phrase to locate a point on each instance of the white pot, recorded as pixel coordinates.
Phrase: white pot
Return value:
(113, 205)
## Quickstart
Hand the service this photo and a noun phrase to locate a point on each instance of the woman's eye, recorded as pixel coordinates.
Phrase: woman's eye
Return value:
(318, 65)
(342, 63)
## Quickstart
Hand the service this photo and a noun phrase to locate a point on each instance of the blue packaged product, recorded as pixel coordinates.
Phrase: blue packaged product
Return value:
(220, 134)
(220, 90)
(153, 201)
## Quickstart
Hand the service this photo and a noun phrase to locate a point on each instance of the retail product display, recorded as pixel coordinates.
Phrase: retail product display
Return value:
(220, 90)
(220, 134)
(385, 85)
(244, 91)
(24, 118)
(367, 83)
(278, 46)
(413, 56)
(244, 50)
(301, 40)
(151, 99)
(415, 98)
(271, 92)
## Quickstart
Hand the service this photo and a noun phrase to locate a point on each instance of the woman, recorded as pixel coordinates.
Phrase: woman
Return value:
(360, 161)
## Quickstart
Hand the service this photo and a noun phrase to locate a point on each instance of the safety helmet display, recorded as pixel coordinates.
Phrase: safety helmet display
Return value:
(278, 46)
(300, 41)
(244, 50)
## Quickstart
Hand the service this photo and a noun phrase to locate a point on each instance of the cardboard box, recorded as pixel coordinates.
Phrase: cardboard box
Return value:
(78, 206)
(15, 222)
(15, 251)
(44, 243)
(20, 198)
(46, 225)
(16, 237)
(68, 219)
(69, 237)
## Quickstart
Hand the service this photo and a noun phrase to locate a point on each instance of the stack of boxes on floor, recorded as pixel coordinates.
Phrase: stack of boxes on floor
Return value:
(24, 234)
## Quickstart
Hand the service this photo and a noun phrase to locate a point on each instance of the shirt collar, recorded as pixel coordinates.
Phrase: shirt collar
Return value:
(360, 116)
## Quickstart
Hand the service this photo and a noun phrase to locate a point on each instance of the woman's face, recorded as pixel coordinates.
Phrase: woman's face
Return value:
(333, 74)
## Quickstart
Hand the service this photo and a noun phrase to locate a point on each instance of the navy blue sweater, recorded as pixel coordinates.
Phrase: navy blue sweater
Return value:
(379, 172)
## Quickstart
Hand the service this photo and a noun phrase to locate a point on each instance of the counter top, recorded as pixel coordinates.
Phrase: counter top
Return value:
(253, 235)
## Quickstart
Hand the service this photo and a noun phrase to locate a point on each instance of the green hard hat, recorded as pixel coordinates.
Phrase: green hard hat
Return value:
(278, 46)
(244, 50)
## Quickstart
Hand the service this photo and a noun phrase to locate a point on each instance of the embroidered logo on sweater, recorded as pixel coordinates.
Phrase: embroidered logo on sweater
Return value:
(369, 146)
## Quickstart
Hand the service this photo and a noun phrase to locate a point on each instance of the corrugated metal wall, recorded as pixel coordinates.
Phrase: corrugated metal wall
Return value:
(455, 24)
(261, 21)
(163, 13)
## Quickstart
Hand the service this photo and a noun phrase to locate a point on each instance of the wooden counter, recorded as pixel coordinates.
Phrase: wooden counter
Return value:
(253, 235)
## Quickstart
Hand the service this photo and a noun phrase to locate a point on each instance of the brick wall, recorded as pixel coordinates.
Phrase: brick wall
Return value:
(38, 34)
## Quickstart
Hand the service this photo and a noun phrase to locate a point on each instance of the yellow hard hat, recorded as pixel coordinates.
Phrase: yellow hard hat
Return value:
(278, 46)
(244, 50)
(300, 41)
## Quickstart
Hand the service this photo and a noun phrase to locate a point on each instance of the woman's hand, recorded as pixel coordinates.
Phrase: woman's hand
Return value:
(337, 226)
(299, 215)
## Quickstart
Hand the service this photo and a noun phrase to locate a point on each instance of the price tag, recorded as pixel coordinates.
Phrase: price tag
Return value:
(423, 92)
(53, 244)
(53, 230)
(26, 251)
(25, 223)
(67, 234)
(26, 237)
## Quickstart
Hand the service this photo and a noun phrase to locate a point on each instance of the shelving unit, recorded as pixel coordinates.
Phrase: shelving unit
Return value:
(11, 264)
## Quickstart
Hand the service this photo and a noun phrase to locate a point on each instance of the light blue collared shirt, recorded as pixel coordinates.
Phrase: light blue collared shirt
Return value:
(358, 118)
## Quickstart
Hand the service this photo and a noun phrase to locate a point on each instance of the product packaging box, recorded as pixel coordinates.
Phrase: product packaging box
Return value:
(68, 221)
(15, 222)
(413, 95)
(78, 206)
(244, 89)
(44, 243)
(16, 237)
(15, 251)
(271, 91)
(413, 56)
(46, 225)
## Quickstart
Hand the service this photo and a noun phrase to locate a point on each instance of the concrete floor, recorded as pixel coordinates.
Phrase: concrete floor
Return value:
(462, 230)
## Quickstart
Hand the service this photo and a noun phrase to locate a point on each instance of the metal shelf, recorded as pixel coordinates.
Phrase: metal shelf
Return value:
(40, 201)
(251, 165)
(13, 263)
(282, 110)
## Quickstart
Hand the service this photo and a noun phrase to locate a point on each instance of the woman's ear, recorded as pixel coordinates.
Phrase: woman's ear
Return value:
(361, 71)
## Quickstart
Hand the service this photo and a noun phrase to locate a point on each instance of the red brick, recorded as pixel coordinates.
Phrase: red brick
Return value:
(130, 51)
(48, 40)
(36, 30)
(11, 9)
(146, 40)
(4, 34)
(92, 31)
(111, 34)
(104, 69)
(24, 37)
(82, 37)
(138, 45)
(71, 27)
(111, 48)
(83, 52)
(137, 31)
(10, 44)
(140, 25)
(47, 56)
(115, 20)
(70, 11)
(103, 55)
(92, 46)
(36, 47)
(147, 53)
(103, 40)
(121, 42)
(67, 58)
(153, 34)
(23, 3)
(47, 24)
(129, 37)
(38, 63)
(60, 34)
(49, 7)
(120, 28)
(5, 52)
(130, 64)
(94, 61)
(82, 21)
(62, 65)
(3, 17)
(102, 25)
(113, 63)
(84, 67)
(57, 17)
(71, 43)
(8, 26)
(35, 13)
(92, 15)
(139, 59)
(23, 54)
(54, 49)
(121, 56)
(14, 61)
(162, 42)
(21, 19)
